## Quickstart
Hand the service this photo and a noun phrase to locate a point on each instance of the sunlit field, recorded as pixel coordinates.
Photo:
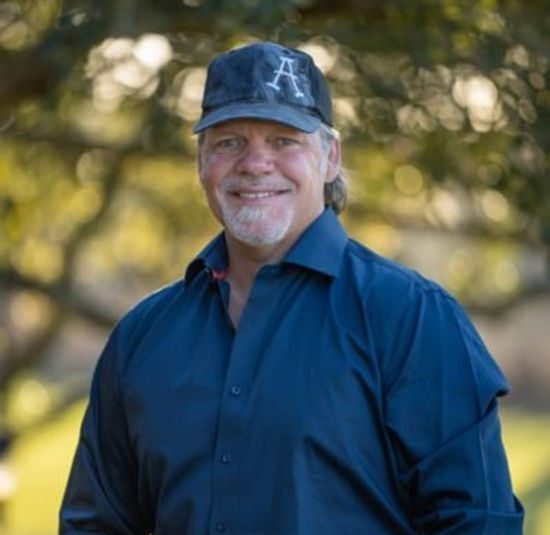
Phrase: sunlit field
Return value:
(42, 460)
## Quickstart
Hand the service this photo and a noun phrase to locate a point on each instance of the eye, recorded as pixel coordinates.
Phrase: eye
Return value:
(285, 141)
(227, 144)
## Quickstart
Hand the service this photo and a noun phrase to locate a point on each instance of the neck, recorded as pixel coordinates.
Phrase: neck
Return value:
(244, 263)
(246, 260)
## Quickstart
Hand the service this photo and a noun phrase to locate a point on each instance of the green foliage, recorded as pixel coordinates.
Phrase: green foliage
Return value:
(443, 106)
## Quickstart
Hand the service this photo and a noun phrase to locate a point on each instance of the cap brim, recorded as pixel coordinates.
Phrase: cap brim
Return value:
(277, 113)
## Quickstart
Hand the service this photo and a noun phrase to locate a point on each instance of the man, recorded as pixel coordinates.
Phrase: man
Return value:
(293, 382)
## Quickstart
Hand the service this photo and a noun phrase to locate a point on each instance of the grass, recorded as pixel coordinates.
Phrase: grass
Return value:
(527, 439)
(42, 462)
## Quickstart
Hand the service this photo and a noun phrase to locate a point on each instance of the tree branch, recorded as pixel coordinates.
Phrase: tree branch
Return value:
(31, 352)
(67, 300)
(69, 140)
(527, 237)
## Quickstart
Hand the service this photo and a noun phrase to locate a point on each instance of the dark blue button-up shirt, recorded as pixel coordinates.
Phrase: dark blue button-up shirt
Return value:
(354, 398)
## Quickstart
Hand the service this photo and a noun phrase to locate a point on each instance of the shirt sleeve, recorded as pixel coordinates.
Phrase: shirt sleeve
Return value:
(442, 419)
(101, 493)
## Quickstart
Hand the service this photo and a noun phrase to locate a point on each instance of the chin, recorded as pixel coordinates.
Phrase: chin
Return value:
(258, 227)
(257, 237)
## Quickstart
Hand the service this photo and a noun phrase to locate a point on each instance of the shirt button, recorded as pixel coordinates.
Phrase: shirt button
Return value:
(221, 527)
(236, 391)
(225, 458)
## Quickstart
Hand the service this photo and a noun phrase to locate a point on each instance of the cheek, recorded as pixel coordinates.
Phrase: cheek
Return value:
(214, 168)
(209, 174)
(207, 180)
(213, 199)
(311, 176)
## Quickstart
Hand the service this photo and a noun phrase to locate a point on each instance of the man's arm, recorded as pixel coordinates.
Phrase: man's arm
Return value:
(101, 495)
(442, 416)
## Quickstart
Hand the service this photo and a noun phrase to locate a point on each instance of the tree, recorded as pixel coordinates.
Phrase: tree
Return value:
(444, 107)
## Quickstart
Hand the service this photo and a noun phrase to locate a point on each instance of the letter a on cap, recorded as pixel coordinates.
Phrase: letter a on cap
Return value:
(285, 69)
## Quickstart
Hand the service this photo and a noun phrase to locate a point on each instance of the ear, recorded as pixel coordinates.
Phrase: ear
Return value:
(334, 163)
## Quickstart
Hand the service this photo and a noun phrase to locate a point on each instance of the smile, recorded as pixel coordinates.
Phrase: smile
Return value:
(258, 195)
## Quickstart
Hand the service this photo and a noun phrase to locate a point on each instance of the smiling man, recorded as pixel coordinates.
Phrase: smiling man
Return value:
(265, 183)
(293, 382)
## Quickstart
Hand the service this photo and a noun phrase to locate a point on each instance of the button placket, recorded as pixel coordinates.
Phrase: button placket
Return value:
(221, 527)
(230, 424)
(229, 433)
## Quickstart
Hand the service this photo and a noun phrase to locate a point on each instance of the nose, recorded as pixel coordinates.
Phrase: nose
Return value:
(256, 160)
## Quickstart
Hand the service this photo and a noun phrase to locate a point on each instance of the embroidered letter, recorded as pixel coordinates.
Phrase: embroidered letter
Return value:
(285, 69)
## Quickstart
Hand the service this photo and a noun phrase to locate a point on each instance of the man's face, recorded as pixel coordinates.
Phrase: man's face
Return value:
(265, 181)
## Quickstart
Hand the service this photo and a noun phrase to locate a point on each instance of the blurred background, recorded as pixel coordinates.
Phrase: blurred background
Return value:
(444, 109)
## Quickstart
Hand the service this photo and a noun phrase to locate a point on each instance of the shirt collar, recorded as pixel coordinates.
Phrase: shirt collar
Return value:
(319, 248)
(213, 257)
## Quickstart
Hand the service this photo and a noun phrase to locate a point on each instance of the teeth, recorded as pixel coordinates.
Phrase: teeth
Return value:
(257, 195)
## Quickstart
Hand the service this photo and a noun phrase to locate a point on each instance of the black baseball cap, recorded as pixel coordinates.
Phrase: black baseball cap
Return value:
(266, 81)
